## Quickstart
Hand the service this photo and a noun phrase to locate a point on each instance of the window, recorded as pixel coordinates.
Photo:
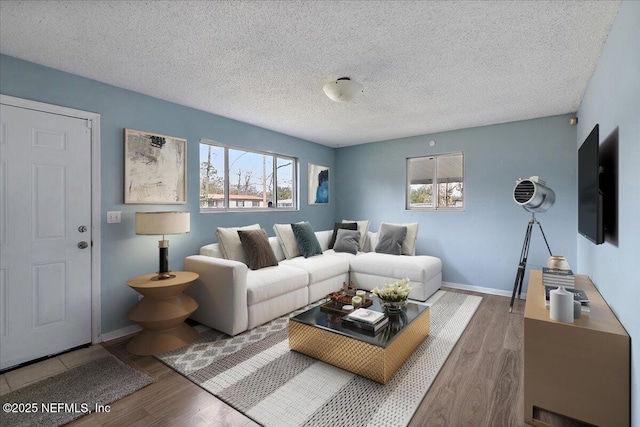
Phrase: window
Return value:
(233, 178)
(435, 182)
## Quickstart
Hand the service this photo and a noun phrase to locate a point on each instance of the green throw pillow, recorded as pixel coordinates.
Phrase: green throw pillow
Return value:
(307, 241)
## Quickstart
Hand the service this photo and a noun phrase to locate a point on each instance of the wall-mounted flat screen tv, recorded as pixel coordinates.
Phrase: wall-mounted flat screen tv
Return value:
(590, 200)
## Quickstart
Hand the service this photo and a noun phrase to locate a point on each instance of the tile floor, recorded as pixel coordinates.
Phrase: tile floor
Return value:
(18, 378)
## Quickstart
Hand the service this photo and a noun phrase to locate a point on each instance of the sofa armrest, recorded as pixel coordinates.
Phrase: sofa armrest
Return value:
(221, 293)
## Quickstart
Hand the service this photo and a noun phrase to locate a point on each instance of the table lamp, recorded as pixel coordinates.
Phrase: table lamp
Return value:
(163, 223)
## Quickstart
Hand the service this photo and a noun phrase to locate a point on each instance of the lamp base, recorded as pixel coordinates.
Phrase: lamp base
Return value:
(163, 276)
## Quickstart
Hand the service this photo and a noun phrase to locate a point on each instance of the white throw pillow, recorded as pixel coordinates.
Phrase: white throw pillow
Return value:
(287, 240)
(230, 244)
(409, 244)
(363, 227)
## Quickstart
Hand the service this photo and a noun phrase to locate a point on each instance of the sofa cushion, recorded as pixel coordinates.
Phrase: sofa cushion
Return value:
(363, 227)
(308, 244)
(417, 268)
(341, 226)
(229, 242)
(345, 255)
(212, 250)
(390, 239)
(409, 243)
(277, 249)
(324, 236)
(320, 267)
(347, 241)
(287, 240)
(257, 249)
(270, 282)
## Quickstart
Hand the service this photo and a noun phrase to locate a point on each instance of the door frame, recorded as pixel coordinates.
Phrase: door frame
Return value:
(94, 120)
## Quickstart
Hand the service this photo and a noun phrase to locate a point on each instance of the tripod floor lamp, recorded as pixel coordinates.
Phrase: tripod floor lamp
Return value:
(534, 196)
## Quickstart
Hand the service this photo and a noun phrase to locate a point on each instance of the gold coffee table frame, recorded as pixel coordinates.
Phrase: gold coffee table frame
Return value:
(352, 353)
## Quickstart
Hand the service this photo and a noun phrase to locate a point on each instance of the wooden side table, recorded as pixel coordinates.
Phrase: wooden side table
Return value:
(162, 313)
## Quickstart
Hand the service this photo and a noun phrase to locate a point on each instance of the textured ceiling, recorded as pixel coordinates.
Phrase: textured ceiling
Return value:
(425, 66)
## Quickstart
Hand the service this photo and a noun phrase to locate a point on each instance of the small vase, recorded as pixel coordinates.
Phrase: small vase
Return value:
(393, 307)
(558, 261)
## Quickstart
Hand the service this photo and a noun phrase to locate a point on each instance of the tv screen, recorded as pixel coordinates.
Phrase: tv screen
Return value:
(590, 221)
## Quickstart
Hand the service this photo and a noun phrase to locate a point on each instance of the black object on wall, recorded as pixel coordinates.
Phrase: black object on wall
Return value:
(597, 187)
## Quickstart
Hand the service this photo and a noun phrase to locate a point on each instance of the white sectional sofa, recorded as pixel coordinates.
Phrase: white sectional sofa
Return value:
(232, 298)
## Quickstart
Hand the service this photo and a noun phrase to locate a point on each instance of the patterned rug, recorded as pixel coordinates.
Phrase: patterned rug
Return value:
(256, 373)
(79, 391)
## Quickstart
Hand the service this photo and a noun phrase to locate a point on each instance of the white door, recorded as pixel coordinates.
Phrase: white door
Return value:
(45, 212)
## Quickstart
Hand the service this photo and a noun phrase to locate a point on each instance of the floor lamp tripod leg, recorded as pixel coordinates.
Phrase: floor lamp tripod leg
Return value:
(517, 285)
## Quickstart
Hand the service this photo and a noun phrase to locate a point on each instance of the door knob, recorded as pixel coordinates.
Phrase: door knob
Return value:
(83, 245)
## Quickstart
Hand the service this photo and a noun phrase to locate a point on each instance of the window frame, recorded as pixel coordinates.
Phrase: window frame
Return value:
(435, 185)
(226, 182)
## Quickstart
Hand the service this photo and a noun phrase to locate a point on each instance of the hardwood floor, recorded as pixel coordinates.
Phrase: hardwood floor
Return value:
(481, 384)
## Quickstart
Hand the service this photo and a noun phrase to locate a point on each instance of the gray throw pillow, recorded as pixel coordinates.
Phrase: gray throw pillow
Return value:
(341, 226)
(347, 241)
(307, 241)
(257, 249)
(390, 239)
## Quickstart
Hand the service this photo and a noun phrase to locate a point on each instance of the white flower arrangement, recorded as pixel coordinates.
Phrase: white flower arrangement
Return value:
(394, 292)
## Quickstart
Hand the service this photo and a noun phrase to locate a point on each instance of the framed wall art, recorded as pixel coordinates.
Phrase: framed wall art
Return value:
(318, 183)
(155, 168)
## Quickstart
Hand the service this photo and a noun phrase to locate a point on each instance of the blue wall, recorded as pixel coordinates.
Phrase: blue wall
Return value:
(480, 246)
(125, 255)
(612, 99)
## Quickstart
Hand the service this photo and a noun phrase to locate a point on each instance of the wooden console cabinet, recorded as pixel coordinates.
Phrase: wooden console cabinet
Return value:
(577, 370)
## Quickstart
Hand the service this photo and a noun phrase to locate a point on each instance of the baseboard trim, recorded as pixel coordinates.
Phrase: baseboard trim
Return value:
(119, 333)
(483, 290)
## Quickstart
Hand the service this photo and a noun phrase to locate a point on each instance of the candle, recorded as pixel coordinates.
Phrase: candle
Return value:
(362, 294)
(356, 302)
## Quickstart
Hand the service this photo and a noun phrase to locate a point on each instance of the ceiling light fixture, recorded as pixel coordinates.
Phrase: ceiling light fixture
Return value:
(342, 90)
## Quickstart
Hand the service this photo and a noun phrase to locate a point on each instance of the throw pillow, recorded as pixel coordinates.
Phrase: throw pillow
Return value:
(287, 240)
(307, 241)
(409, 244)
(363, 227)
(347, 241)
(390, 239)
(341, 226)
(257, 249)
(229, 242)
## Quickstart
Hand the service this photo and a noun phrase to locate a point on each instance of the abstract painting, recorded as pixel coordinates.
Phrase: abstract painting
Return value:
(155, 168)
(318, 182)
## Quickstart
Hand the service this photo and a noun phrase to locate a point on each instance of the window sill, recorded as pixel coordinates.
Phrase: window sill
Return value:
(261, 210)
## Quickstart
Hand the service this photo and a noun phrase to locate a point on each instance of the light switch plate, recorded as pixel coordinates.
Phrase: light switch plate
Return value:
(114, 217)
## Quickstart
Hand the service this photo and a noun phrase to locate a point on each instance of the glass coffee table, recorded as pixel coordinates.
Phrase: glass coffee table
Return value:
(322, 336)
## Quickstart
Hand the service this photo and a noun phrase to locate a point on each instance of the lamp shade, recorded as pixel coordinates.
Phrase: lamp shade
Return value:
(157, 223)
(342, 90)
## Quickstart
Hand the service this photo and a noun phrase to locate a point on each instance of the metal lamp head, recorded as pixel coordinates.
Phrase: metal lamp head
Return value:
(533, 195)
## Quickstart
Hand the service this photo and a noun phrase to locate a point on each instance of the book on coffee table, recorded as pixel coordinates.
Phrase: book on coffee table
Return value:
(368, 327)
(366, 316)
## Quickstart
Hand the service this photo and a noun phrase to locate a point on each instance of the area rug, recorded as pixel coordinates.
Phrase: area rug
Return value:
(62, 398)
(257, 374)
